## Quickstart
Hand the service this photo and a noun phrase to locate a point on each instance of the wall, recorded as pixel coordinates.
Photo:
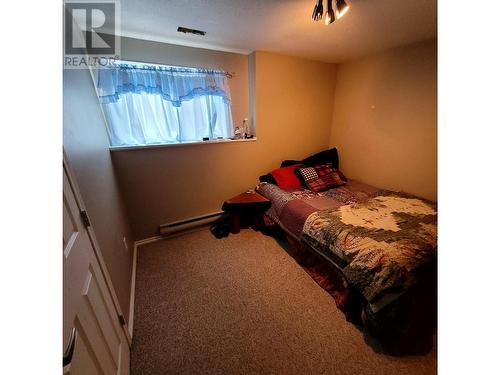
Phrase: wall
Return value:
(385, 119)
(87, 148)
(293, 120)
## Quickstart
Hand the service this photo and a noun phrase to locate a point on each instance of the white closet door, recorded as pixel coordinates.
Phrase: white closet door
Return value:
(93, 339)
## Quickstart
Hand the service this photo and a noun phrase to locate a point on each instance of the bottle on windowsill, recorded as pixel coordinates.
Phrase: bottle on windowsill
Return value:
(238, 133)
(246, 130)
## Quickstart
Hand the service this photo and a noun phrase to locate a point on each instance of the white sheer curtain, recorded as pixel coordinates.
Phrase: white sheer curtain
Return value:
(164, 105)
(142, 118)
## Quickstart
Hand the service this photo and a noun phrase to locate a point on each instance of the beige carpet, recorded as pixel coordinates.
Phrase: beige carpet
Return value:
(241, 305)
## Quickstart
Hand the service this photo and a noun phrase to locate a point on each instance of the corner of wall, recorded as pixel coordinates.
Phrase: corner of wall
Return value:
(252, 81)
(335, 68)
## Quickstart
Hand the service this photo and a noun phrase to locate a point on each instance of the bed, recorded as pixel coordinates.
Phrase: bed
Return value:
(373, 250)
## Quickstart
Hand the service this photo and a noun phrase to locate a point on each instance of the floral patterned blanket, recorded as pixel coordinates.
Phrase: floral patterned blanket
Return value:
(379, 239)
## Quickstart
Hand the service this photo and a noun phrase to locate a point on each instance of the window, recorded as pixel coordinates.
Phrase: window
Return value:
(152, 104)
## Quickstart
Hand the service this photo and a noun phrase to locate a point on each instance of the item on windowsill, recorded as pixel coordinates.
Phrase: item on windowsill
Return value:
(206, 139)
(245, 128)
(238, 133)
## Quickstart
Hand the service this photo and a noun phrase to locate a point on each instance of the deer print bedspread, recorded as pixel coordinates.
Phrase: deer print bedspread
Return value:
(379, 239)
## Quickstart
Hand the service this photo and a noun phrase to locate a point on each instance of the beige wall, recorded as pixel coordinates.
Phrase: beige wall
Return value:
(385, 119)
(293, 119)
(87, 148)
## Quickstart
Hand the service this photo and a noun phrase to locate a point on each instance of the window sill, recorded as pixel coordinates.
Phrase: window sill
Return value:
(182, 144)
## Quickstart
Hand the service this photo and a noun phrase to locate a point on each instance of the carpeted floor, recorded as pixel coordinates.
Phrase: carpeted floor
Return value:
(242, 305)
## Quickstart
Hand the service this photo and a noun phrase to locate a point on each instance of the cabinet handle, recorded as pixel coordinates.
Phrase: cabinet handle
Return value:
(68, 353)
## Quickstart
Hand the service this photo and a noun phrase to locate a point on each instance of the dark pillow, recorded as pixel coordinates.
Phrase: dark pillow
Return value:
(268, 178)
(323, 157)
(288, 163)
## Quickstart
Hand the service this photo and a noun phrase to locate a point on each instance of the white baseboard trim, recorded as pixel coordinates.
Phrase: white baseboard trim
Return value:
(132, 294)
(148, 240)
(132, 283)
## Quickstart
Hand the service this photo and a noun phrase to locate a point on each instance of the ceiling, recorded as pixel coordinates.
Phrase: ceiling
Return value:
(282, 26)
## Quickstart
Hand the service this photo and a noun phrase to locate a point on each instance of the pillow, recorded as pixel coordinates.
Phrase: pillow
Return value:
(321, 177)
(323, 157)
(268, 178)
(287, 163)
(286, 178)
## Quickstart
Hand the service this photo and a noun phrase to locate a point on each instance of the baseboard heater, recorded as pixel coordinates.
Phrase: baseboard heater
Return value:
(187, 224)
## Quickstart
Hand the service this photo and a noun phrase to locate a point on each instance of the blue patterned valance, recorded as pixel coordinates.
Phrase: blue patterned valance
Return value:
(175, 84)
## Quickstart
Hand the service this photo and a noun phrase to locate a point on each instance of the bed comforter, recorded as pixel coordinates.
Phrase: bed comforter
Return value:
(378, 239)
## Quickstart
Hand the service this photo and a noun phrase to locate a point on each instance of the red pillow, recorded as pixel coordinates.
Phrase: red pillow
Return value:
(286, 179)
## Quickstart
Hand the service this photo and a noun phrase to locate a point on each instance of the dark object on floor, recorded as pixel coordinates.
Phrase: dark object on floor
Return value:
(220, 230)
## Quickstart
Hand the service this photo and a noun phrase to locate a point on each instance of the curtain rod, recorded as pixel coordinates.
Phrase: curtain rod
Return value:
(227, 74)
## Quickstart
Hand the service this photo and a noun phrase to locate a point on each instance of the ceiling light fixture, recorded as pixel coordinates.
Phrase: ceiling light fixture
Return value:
(330, 14)
(318, 11)
(342, 8)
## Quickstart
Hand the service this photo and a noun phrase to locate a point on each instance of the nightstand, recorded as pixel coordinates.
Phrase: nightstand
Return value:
(248, 206)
